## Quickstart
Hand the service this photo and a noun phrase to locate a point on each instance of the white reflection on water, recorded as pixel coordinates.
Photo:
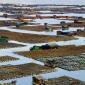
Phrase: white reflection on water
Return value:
(50, 21)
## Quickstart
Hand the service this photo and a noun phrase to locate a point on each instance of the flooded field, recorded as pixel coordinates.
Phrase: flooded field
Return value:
(46, 41)
(49, 21)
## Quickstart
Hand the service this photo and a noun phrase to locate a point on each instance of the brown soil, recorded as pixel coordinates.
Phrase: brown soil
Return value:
(8, 72)
(81, 34)
(61, 51)
(9, 45)
(7, 58)
(33, 37)
(38, 27)
(64, 81)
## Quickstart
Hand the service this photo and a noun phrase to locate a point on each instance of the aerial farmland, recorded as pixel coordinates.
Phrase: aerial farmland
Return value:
(42, 44)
